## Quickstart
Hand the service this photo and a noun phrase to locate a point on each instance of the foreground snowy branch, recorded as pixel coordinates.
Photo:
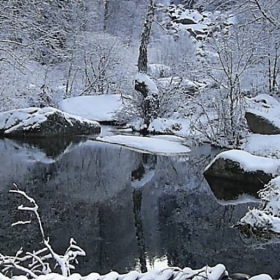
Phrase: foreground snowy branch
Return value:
(38, 262)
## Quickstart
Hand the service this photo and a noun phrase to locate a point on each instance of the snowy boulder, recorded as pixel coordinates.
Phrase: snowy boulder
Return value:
(261, 122)
(44, 122)
(241, 170)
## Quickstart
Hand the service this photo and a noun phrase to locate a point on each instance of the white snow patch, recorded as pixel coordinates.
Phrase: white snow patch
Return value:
(192, 14)
(171, 138)
(265, 99)
(95, 107)
(261, 277)
(263, 145)
(179, 127)
(147, 144)
(144, 78)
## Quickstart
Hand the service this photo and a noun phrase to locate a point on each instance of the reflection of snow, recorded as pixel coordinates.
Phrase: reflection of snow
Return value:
(157, 263)
(244, 198)
(146, 178)
(23, 152)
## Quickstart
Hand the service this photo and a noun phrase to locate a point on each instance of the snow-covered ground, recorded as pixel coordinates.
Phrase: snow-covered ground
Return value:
(207, 272)
(167, 146)
(94, 107)
(263, 145)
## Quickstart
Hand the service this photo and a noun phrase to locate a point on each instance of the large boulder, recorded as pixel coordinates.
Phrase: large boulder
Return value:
(243, 172)
(260, 123)
(44, 122)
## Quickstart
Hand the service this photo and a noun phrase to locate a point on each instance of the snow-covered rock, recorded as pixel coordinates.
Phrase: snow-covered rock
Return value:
(263, 114)
(241, 166)
(262, 122)
(261, 277)
(44, 122)
(101, 108)
(199, 24)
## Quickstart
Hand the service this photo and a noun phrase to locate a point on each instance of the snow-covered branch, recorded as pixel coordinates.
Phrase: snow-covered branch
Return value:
(38, 262)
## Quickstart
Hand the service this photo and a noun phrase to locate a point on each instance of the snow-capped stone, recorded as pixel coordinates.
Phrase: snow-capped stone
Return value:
(243, 167)
(261, 123)
(261, 277)
(263, 115)
(44, 122)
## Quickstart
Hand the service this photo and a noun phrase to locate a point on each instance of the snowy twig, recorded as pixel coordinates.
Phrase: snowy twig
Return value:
(38, 261)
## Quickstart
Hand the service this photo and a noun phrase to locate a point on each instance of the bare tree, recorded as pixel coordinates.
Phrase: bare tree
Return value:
(143, 83)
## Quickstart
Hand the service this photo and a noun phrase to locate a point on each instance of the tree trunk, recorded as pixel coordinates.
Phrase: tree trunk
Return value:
(145, 38)
(150, 95)
(106, 14)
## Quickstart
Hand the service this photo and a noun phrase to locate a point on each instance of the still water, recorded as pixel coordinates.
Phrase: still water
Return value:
(126, 209)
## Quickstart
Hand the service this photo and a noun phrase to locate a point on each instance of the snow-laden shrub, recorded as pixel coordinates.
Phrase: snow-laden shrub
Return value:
(257, 219)
(267, 218)
(270, 197)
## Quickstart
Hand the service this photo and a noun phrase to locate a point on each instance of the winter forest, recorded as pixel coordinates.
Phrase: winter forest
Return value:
(205, 57)
(191, 89)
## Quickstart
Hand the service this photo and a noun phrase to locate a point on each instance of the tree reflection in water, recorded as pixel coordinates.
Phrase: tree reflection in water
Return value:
(126, 209)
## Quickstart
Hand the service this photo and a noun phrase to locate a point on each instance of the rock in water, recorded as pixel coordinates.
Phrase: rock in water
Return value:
(44, 122)
(247, 172)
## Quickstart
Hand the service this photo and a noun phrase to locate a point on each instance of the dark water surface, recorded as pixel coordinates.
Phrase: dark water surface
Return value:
(126, 209)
